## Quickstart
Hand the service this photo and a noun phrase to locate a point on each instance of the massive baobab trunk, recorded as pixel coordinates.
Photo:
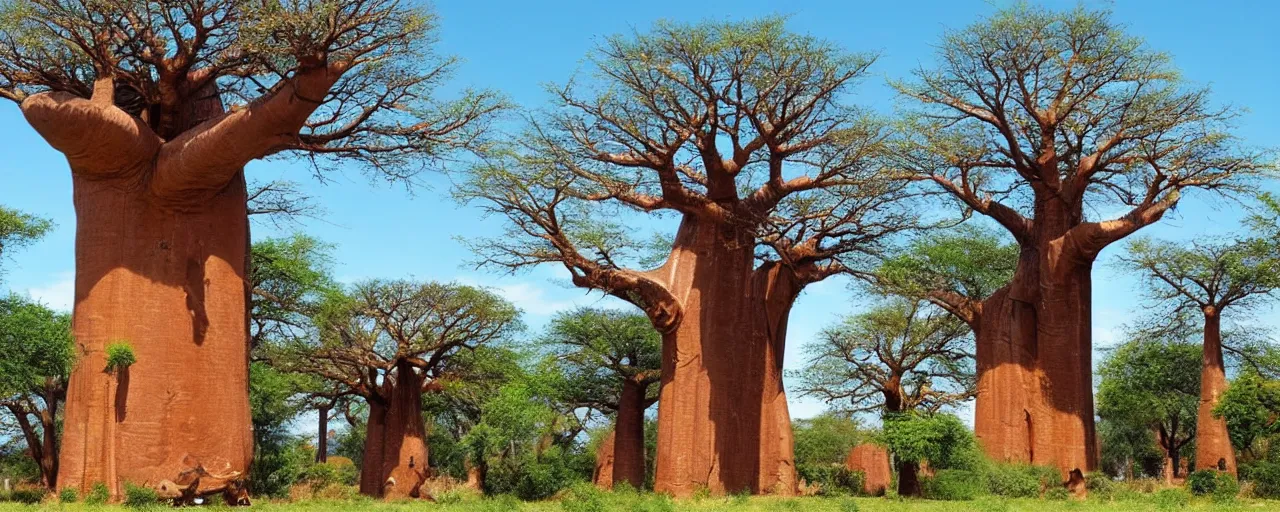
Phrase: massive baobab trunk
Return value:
(1213, 444)
(1034, 344)
(628, 437)
(722, 416)
(395, 447)
(168, 277)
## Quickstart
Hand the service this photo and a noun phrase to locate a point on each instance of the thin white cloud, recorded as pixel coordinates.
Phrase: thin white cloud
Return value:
(59, 294)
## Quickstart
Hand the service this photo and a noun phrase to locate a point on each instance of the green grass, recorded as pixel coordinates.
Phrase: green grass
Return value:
(728, 504)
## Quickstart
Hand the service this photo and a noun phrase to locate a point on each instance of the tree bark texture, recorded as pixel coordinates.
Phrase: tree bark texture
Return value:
(604, 467)
(723, 422)
(628, 445)
(1213, 444)
(395, 450)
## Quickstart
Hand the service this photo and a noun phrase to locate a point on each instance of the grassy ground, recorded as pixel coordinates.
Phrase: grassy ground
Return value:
(733, 504)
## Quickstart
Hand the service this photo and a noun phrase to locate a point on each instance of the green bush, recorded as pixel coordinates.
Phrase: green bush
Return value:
(1208, 482)
(504, 503)
(1020, 480)
(1172, 499)
(139, 496)
(584, 497)
(1100, 486)
(1057, 493)
(848, 505)
(68, 495)
(953, 485)
(25, 496)
(832, 479)
(120, 356)
(529, 478)
(98, 494)
(1265, 477)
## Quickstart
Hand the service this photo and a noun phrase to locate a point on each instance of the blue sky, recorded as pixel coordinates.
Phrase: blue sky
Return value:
(518, 47)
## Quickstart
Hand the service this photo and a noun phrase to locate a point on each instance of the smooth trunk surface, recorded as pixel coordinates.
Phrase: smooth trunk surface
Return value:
(395, 456)
(628, 437)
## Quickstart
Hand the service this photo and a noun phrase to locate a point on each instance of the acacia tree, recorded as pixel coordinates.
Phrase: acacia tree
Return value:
(902, 356)
(36, 354)
(610, 361)
(157, 107)
(18, 229)
(389, 342)
(1208, 277)
(1033, 118)
(738, 130)
(1152, 384)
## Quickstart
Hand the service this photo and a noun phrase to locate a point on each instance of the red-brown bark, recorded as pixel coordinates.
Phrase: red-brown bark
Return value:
(395, 451)
(628, 445)
(908, 478)
(724, 354)
(873, 462)
(1213, 444)
(602, 475)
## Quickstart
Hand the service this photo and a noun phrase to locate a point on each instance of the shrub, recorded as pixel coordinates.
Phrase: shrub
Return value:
(1020, 480)
(531, 479)
(654, 503)
(68, 495)
(504, 503)
(1100, 486)
(1057, 493)
(832, 479)
(953, 485)
(584, 497)
(1172, 499)
(138, 496)
(1218, 484)
(98, 494)
(120, 356)
(29, 495)
(1265, 477)
(848, 505)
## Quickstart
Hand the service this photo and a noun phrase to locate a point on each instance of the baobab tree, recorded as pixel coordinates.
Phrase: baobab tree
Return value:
(1035, 119)
(902, 356)
(389, 342)
(738, 129)
(1208, 277)
(36, 354)
(158, 106)
(611, 361)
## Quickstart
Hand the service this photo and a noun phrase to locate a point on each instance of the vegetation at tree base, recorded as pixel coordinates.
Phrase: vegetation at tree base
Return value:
(703, 174)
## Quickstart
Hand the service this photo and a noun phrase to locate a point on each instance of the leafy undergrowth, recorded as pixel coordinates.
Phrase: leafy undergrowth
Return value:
(606, 502)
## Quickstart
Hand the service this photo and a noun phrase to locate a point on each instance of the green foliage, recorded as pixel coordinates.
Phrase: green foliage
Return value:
(1171, 499)
(831, 479)
(594, 350)
(280, 465)
(1147, 383)
(953, 485)
(98, 494)
(1242, 272)
(35, 344)
(909, 350)
(120, 356)
(28, 496)
(1249, 407)
(1057, 494)
(1020, 480)
(1265, 477)
(535, 478)
(140, 496)
(19, 229)
(289, 276)
(584, 497)
(940, 439)
(969, 260)
(68, 495)
(825, 438)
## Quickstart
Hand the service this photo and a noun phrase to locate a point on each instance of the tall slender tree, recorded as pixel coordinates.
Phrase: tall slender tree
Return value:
(902, 356)
(738, 129)
(389, 342)
(1208, 277)
(611, 361)
(1033, 118)
(158, 106)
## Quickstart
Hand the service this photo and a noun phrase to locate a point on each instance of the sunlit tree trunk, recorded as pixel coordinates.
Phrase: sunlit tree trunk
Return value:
(1213, 444)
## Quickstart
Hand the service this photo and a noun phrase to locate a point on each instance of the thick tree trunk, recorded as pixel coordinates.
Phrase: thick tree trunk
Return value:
(169, 279)
(1213, 444)
(395, 453)
(722, 418)
(604, 467)
(908, 478)
(1035, 358)
(628, 446)
(322, 443)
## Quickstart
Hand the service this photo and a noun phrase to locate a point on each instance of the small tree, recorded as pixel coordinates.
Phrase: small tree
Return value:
(158, 107)
(19, 229)
(739, 129)
(903, 356)
(1152, 383)
(36, 356)
(1250, 407)
(1208, 277)
(389, 342)
(610, 361)
(1033, 118)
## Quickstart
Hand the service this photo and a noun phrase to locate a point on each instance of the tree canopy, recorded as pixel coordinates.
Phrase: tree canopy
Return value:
(595, 350)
